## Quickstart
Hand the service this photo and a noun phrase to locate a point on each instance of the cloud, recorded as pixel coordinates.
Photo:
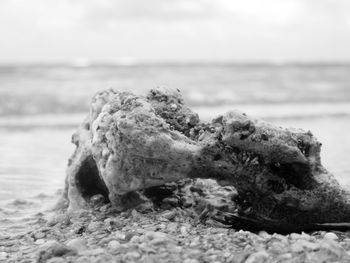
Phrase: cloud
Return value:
(151, 9)
(271, 11)
(175, 29)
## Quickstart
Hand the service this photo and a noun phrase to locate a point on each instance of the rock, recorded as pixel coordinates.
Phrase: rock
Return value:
(183, 230)
(120, 235)
(172, 227)
(3, 256)
(79, 244)
(171, 201)
(332, 248)
(171, 214)
(264, 235)
(331, 236)
(94, 252)
(94, 226)
(56, 260)
(97, 200)
(113, 245)
(301, 245)
(190, 260)
(285, 257)
(131, 256)
(150, 235)
(195, 242)
(129, 143)
(129, 235)
(258, 257)
(54, 219)
(83, 259)
(135, 214)
(295, 236)
(39, 241)
(54, 249)
(157, 238)
(39, 235)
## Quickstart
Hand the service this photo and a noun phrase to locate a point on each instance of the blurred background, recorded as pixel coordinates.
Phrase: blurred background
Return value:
(286, 62)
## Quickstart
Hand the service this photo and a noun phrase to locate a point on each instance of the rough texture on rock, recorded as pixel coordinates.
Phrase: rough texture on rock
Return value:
(130, 143)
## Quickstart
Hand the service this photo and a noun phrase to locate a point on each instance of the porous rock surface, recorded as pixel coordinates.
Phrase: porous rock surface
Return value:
(130, 143)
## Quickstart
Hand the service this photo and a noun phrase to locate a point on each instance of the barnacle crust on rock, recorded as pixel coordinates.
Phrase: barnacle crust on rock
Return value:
(130, 143)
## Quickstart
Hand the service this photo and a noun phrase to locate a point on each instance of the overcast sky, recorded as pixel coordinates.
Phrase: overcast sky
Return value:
(180, 30)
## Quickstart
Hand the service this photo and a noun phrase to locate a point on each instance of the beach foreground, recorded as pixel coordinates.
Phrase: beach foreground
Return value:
(166, 234)
(183, 226)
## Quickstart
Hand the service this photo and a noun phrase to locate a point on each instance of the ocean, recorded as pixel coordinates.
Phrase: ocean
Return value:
(41, 105)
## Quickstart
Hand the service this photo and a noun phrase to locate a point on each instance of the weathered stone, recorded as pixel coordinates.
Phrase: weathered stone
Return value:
(129, 143)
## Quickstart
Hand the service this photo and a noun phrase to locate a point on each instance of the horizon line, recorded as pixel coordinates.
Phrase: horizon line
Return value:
(132, 63)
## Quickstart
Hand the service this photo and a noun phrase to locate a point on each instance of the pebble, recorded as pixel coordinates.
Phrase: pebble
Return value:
(39, 235)
(264, 234)
(113, 245)
(300, 236)
(56, 260)
(152, 235)
(294, 236)
(281, 238)
(285, 257)
(63, 219)
(131, 256)
(97, 200)
(78, 244)
(159, 241)
(190, 260)
(169, 214)
(172, 227)
(172, 201)
(302, 244)
(51, 220)
(129, 235)
(157, 238)
(183, 231)
(305, 236)
(195, 242)
(3, 255)
(94, 252)
(53, 249)
(40, 241)
(135, 239)
(108, 222)
(173, 106)
(82, 259)
(136, 215)
(257, 257)
(119, 235)
(94, 226)
(331, 236)
(332, 247)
